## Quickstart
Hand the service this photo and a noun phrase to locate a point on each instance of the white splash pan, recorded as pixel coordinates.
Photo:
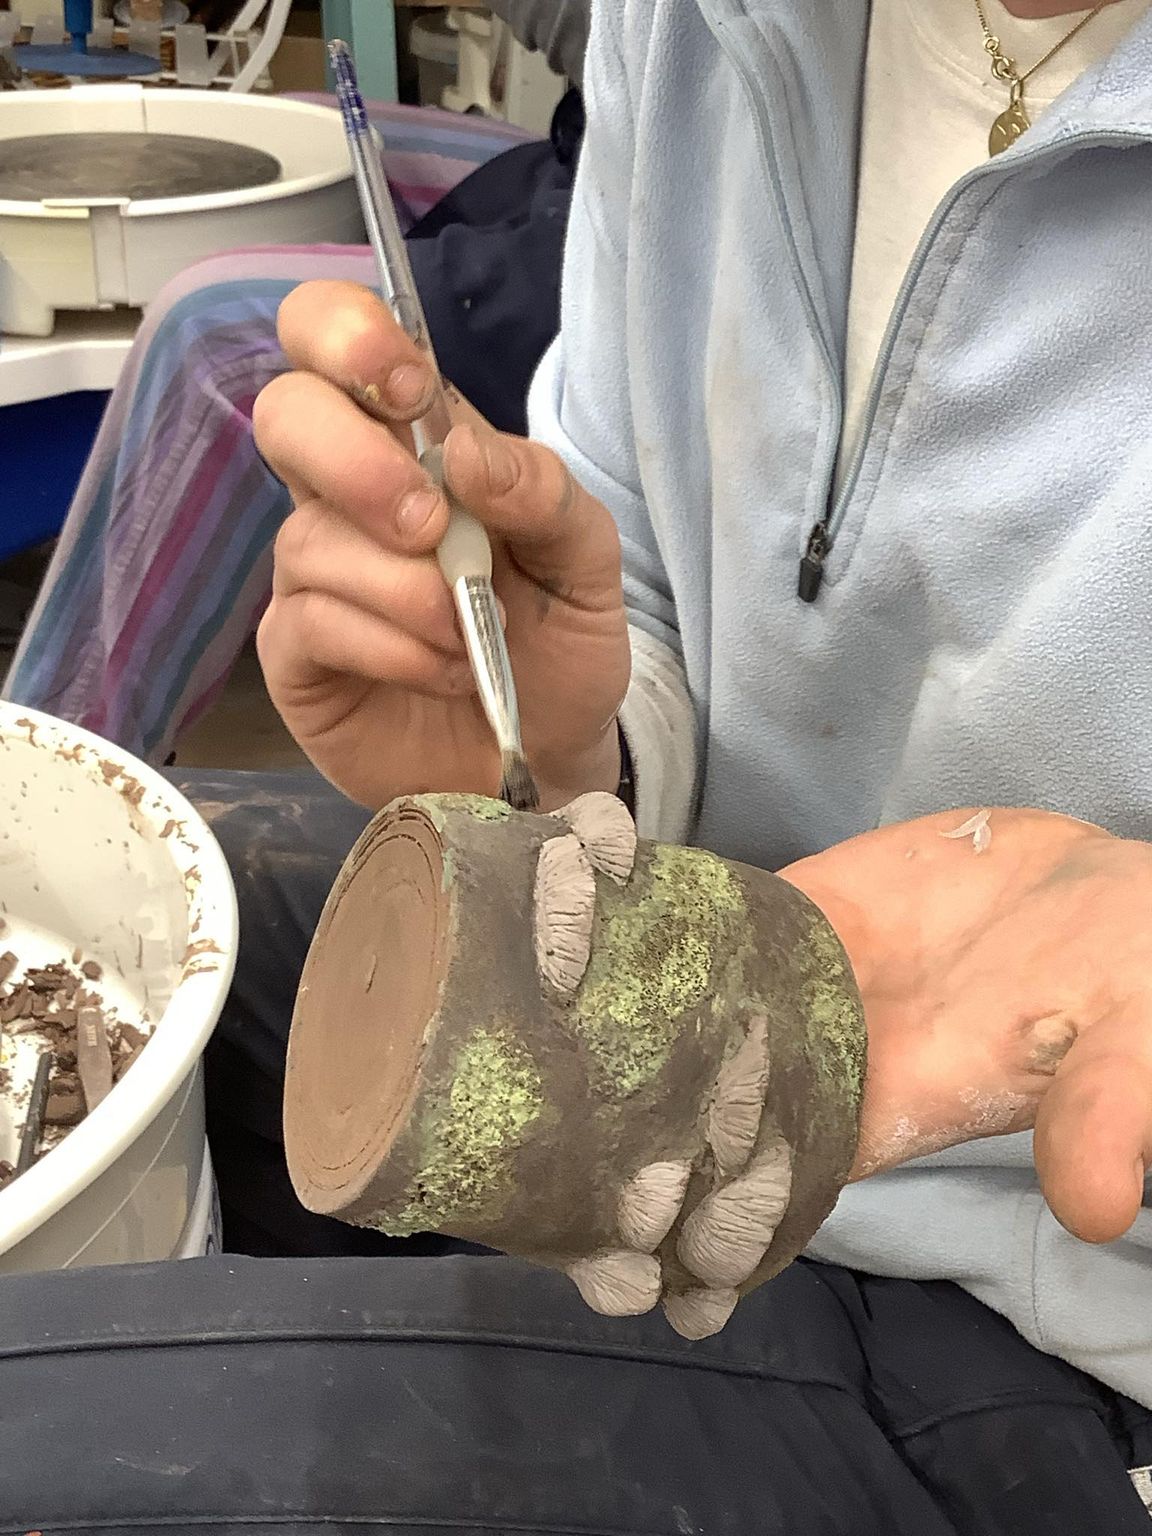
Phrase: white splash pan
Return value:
(82, 254)
(99, 853)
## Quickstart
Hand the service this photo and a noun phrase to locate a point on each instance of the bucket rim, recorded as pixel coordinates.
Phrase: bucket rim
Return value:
(191, 1014)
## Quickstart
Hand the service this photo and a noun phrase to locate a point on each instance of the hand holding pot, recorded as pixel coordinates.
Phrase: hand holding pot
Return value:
(1004, 989)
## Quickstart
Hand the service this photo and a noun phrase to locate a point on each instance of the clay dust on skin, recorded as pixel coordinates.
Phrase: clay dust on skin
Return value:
(906, 1139)
(36, 947)
(978, 828)
(983, 1114)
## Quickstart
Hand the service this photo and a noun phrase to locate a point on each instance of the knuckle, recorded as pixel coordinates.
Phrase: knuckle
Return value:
(376, 469)
(265, 630)
(558, 488)
(270, 641)
(294, 301)
(363, 344)
(359, 339)
(295, 546)
(339, 330)
(289, 309)
(607, 530)
(275, 412)
(311, 628)
(298, 309)
(556, 478)
(430, 614)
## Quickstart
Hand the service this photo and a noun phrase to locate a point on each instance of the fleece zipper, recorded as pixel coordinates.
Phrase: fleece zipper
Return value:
(823, 535)
(747, 77)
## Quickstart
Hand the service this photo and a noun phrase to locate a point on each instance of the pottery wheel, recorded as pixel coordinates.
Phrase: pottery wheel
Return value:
(131, 165)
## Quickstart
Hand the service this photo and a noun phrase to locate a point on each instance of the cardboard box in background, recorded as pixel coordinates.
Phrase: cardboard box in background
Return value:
(298, 64)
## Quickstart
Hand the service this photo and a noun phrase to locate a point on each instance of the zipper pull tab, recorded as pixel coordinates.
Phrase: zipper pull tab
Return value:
(812, 565)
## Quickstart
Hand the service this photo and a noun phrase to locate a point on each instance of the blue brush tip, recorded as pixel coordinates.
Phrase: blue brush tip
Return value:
(347, 87)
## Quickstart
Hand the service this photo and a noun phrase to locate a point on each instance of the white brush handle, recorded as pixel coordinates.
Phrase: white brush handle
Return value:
(465, 550)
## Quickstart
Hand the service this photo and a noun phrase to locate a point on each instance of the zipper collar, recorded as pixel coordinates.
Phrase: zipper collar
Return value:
(823, 536)
(802, 64)
(1109, 104)
(1113, 96)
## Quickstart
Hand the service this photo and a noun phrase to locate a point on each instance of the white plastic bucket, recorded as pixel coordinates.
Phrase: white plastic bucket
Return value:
(201, 1234)
(99, 851)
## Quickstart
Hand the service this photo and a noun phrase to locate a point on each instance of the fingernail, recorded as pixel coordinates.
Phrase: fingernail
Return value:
(408, 387)
(416, 511)
(501, 465)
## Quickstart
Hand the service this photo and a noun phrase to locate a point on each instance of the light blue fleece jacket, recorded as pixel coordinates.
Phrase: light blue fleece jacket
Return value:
(983, 634)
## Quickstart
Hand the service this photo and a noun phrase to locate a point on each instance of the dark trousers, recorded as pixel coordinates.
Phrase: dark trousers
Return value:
(487, 260)
(475, 1393)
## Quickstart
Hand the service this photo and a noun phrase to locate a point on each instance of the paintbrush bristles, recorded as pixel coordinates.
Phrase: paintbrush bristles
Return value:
(517, 786)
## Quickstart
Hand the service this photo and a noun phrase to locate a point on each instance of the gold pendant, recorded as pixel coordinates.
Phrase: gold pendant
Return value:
(1011, 123)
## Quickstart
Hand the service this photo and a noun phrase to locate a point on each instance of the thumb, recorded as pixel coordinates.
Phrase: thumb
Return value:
(1093, 1141)
(523, 492)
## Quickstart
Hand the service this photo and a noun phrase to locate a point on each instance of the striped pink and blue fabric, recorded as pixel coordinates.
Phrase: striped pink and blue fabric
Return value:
(164, 564)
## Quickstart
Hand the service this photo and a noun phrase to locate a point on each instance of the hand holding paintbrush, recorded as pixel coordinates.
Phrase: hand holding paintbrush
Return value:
(362, 645)
(465, 554)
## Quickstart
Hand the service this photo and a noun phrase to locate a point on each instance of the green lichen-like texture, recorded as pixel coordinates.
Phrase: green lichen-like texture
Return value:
(835, 1020)
(653, 957)
(479, 807)
(494, 1095)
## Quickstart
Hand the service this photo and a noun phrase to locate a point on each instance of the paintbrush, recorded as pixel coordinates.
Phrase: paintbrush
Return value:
(465, 554)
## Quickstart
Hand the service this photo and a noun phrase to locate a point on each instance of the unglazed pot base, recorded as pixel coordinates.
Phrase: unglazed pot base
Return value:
(637, 1063)
(384, 962)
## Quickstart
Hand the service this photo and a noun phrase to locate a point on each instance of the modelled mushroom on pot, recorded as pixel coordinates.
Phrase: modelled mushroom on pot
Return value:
(637, 1063)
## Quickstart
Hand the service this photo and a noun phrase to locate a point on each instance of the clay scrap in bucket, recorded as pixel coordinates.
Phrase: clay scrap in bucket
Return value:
(637, 1063)
(56, 1011)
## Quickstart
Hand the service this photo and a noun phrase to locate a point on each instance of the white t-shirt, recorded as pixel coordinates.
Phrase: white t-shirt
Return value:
(929, 103)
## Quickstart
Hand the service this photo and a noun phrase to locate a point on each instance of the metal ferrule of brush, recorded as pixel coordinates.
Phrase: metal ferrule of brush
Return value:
(465, 557)
(488, 652)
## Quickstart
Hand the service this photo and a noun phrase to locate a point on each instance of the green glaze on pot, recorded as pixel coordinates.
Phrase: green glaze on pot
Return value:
(469, 1135)
(654, 953)
(479, 807)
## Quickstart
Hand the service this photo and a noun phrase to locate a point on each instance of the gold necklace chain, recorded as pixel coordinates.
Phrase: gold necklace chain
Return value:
(1015, 120)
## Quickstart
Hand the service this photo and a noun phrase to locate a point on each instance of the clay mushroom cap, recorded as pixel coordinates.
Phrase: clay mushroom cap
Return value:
(564, 907)
(606, 831)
